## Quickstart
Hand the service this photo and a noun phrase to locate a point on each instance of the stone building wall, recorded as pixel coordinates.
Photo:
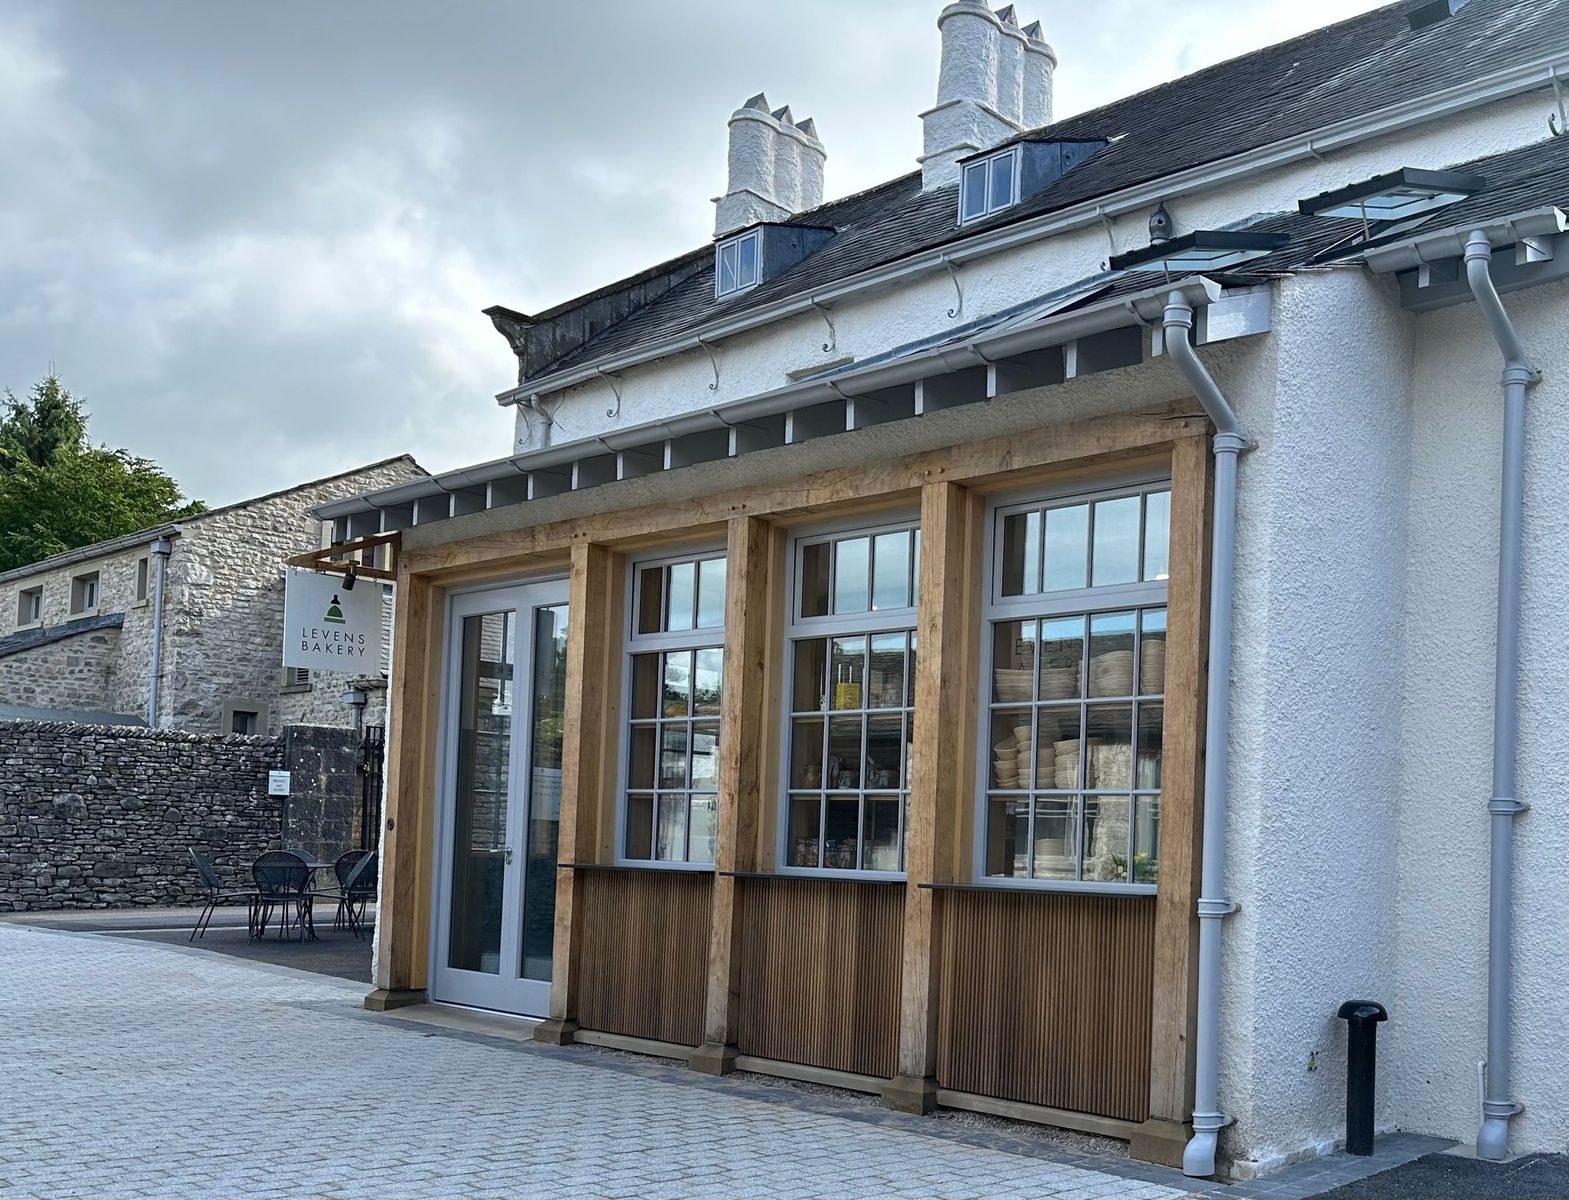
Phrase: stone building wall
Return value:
(74, 672)
(223, 623)
(105, 816)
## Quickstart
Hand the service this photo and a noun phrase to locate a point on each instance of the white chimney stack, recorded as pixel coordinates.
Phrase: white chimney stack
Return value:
(995, 82)
(776, 167)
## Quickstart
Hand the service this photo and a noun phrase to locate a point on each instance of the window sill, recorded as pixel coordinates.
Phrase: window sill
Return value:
(822, 876)
(86, 612)
(1069, 887)
(294, 689)
(140, 604)
(664, 868)
(29, 626)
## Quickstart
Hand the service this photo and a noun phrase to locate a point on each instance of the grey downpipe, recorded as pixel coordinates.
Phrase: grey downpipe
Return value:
(1198, 1158)
(160, 552)
(1492, 1140)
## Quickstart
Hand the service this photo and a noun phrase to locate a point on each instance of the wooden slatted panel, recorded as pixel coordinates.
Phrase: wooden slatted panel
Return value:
(820, 973)
(645, 953)
(1046, 999)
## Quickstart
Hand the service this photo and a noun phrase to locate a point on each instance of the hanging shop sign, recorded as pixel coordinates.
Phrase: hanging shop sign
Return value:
(330, 627)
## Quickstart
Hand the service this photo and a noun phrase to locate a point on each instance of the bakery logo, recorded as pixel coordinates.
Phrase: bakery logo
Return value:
(335, 612)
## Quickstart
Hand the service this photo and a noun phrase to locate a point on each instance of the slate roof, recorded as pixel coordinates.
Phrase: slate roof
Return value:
(1292, 89)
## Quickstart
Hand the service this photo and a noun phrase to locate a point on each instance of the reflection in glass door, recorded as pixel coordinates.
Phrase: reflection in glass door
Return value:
(504, 707)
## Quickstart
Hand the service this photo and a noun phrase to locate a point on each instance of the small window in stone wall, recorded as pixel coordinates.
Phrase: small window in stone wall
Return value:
(141, 580)
(296, 677)
(242, 721)
(84, 593)
(30, 606)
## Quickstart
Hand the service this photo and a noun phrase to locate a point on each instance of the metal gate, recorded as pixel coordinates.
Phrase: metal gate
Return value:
(372, 749)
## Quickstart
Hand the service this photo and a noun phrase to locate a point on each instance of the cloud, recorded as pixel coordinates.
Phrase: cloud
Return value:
(257, 237)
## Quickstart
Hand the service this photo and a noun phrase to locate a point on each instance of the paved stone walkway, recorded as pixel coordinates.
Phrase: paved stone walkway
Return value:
(135, 1070)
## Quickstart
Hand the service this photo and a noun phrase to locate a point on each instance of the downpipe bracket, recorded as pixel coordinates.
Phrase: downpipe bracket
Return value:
(1222, 907)
(1506, 806)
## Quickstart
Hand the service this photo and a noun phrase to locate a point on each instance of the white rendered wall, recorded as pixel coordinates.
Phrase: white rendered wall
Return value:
(1438, 1031)
(761, 360)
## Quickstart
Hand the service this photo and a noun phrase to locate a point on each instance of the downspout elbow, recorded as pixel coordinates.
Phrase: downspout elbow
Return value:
(1479, 277)
(1177, 325)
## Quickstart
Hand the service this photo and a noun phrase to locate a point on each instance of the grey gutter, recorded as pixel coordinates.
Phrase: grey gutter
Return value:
(984, 346)
(1198, 1157)
(1501, 84)
(69, 558)
(1492, 1140)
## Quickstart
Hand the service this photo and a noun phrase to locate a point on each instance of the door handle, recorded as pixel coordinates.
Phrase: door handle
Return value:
(506, 856)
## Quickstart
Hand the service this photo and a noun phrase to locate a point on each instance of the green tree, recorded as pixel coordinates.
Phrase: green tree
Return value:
(58, 491)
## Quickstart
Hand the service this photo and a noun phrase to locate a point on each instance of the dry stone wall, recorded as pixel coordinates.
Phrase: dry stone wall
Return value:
(105, 816)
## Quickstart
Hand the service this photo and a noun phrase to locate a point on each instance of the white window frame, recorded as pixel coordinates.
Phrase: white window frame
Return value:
(92, 579)
(705, 638)
(141, 580)
(871, 622)
(990, 205)
(1089, 601)
(733, 245)
(30, 599)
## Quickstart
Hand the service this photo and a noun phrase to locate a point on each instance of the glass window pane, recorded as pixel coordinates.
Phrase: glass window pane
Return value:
(814, 579)
(678, 601)
(678, 683)
(1062, 658)
(844, 753)
(1157, 535)
(1057, 731)
(1056, 838)
(1111, 654)
(1067, 547)
(909, 675)
(1007, 837)
(801, 838)
(727, 268)
(806, 753)
(746, 272)
(711, 593)
(975, 190)
(885, 751)
(1021, 554)
(640, 759)
(1106, 839)
(851, 567)
(840, 825)
(670, 837)
(1152, 652)
(705, 754)
(1116, 541)
(1011, 747)
(1002, 181)
(1108, 741)
(650, 599)
(672, 756)
(640, 827)
(1013, 661)
(1151, 732)
(847, 669)
(885, 671)
(645, 686)
(891, 570)
(704, 828)
(1146, 839)
(811, 675)
(880, 837)
(706, 682)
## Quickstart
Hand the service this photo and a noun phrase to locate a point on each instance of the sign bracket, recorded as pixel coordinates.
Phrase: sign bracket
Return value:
(362, 552)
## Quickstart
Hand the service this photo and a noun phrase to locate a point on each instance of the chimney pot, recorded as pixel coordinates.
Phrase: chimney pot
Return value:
(775, 167)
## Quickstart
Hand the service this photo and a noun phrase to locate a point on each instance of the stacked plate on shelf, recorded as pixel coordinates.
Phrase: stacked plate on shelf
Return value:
(1005, 763)
(1013, 684)
(1060, 683)
(1154, 681)
(1111, 673)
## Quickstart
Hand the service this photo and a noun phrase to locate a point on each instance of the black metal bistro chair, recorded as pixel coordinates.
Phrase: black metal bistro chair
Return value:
(283, 882)
(216, 895)
(356, 872)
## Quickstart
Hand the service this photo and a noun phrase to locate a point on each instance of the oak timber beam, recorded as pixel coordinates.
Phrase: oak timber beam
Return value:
(1162, 1137)
(751, 550)
(937, 848)
(588, 759)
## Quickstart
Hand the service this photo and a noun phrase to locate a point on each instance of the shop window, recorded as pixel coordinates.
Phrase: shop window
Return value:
(851, 652)
(1075, 658)
(675, 680)
(84, 594)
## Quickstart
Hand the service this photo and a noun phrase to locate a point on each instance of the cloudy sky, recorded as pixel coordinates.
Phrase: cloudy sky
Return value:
(256, 235)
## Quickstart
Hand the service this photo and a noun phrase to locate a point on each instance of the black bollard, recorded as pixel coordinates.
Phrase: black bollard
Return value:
(1362, 1018)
